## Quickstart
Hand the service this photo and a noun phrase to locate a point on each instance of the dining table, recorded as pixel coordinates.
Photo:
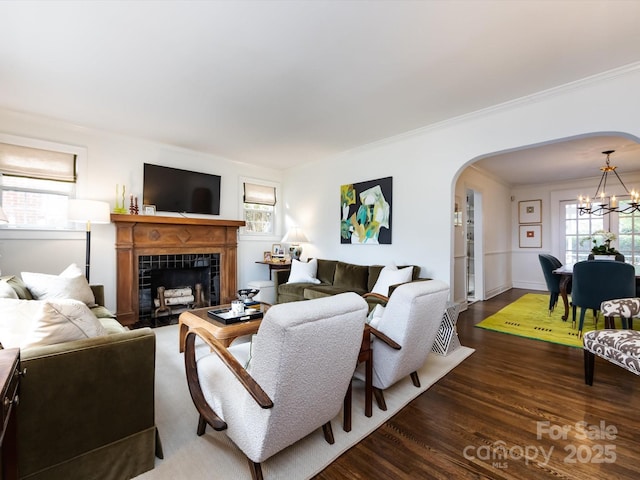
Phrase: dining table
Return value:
(566, 273)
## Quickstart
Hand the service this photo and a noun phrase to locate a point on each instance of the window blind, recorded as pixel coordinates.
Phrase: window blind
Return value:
(260, 194)
(31, 162)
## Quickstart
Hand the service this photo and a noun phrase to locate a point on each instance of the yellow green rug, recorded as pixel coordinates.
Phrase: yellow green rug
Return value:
(529, 317)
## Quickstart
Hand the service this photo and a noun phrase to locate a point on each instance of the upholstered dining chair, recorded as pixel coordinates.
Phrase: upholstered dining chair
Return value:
(411, 319)
(549, 263)
(595, 281)
(289, 380)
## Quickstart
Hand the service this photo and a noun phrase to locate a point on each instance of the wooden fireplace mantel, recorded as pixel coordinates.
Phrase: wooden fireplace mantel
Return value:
(156, 235)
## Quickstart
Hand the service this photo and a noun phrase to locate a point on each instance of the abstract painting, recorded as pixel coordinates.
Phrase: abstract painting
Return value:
(365, 212)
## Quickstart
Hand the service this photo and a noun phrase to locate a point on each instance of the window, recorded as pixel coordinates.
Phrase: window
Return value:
(259, 208)
(36, 185)
(578, 227)
(628, 231)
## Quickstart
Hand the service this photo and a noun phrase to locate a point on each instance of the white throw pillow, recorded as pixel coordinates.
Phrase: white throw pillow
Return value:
(375, 315)
(302, 272)
(391, 275)
(29, 323)
(70, 284)
(6, 291)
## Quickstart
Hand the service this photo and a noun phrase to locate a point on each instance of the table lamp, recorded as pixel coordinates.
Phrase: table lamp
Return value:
(88, 211)
(295, 236)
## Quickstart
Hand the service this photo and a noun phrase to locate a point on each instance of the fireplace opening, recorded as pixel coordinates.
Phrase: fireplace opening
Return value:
(170, 284)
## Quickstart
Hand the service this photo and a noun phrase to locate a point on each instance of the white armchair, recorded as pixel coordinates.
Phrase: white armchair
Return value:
(411, 319)
(301, 363)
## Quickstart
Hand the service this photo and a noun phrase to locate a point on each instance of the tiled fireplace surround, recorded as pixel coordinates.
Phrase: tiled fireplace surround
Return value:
(144, 242)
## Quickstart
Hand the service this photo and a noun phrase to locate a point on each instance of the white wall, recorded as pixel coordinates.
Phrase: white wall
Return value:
(494, 237)
(425, 165)
(116, 159)
(526, 269)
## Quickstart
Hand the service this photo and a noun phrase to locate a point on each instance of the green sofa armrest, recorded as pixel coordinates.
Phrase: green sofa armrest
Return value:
(280, 277)
(98, 293)
(85, 405)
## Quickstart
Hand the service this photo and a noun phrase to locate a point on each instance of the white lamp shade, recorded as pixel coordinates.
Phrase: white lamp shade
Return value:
(295, 235)
(93, 211)
(3, 216)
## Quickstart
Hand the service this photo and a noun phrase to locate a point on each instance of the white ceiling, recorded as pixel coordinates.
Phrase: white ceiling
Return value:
(280, 83)
(562, 161)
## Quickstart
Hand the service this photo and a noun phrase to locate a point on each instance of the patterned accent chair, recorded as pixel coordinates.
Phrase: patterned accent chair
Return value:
(620, 347)
(625, 308)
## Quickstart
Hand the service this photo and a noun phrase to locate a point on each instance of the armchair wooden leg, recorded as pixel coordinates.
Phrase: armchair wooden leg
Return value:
(346, 409)
(202, 425)
(382, 405)
(589, 364)
(256, 470)
(328, 433)
(415, 379)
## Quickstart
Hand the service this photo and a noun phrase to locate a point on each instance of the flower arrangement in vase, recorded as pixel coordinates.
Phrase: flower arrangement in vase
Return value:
(603, 248)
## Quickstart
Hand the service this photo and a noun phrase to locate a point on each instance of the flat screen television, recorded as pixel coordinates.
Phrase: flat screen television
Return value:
(182, 191)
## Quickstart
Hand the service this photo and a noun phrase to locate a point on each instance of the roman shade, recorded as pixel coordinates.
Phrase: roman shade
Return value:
(31, 162)
(260, 194)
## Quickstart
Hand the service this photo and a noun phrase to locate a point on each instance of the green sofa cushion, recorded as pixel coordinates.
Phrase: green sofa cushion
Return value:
(351, 277)
(288, 292)
(326, 270)
(320, 291)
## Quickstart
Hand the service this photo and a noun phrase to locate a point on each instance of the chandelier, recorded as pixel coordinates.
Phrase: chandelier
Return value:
(599, 205)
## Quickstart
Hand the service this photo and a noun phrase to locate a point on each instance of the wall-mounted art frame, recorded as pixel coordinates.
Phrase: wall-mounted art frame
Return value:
(530, 211)
(365, 212)
(530, 236)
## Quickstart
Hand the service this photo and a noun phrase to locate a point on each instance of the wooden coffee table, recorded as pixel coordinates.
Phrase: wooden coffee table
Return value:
(198, 318)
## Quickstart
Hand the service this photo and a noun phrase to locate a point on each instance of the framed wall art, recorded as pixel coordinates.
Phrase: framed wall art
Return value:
(530, 211)
(365, 212)
(530, 236)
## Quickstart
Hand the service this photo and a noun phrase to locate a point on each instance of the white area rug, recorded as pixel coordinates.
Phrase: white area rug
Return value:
(213, 456)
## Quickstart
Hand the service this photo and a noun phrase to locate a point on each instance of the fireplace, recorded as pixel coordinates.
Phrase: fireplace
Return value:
(145, 243)
(170, 284)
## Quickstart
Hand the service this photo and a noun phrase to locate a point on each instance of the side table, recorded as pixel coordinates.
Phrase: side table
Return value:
(9, 378)
(275, 266)
(447, 338)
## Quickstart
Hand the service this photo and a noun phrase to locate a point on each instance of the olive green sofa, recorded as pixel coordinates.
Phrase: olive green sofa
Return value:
(336, 277)
(86, 406)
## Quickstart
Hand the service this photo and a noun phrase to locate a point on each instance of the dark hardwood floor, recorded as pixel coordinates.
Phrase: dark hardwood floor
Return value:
(515, 396)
